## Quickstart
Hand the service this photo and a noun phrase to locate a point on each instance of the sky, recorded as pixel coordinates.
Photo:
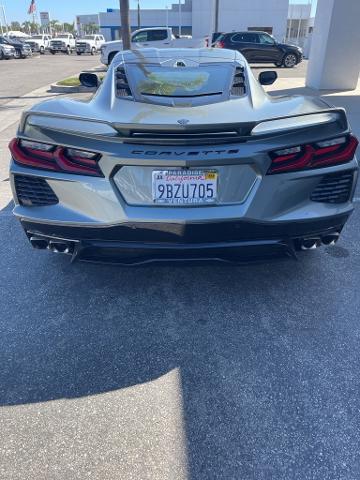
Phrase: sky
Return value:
(66, 10)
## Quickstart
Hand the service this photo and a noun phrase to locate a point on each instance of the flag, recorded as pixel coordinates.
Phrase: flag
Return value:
(32, 8)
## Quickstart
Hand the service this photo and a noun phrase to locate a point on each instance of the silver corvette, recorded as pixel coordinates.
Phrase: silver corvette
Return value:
(181, 155)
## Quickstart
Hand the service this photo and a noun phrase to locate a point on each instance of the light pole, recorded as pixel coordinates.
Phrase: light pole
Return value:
(138, 14)
(125, 24)
(180, 19)
(167, 16)
(217, 15)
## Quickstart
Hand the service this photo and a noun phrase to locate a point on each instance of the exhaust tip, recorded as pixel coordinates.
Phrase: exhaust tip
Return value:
(39, 243)
(310, 243)
(330, 239)
(59, 247)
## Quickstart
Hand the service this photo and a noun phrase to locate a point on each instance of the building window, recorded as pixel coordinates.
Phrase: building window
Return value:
(261, 29)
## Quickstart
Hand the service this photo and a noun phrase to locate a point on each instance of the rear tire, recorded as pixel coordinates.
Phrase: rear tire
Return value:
(93, 51)
(68, 50)
(52, 52)
(78, 53)
(1, 55)
(290, 60)
(17, 53)
(42, 50)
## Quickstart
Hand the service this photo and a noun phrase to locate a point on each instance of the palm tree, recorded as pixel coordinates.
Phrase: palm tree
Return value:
(27, 26)
(55, 26)
(125, 24)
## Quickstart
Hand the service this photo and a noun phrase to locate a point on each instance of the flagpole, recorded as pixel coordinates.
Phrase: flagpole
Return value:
(4, 17)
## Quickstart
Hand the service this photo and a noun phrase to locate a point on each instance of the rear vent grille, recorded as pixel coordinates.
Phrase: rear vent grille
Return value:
(34, 191)
(238, 86)
(334, 188)
(122, 85)
(184, 136)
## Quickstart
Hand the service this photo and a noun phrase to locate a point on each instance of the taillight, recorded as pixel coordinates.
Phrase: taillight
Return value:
(220, 44)
(51, 157)
(315, 155)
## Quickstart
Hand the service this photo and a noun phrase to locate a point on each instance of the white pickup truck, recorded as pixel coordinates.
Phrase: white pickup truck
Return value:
(39, 43)
(65, 42)
(156, 37)
(89, 44)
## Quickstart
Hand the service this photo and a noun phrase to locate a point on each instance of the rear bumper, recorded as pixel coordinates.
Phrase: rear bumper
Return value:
(235, 241)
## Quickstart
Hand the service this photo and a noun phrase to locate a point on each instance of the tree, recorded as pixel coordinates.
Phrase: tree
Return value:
(90, 28)
(125, 24)
(30, 27)
(55, 26)
(69, 27)
(15, 26)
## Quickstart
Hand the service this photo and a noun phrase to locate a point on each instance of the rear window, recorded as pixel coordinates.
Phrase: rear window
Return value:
(180, 81)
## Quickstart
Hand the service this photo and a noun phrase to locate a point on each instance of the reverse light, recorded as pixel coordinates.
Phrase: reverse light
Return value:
(322, 154)
(56, 158)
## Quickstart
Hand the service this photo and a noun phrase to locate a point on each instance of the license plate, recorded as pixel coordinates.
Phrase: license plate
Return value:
(184, 187)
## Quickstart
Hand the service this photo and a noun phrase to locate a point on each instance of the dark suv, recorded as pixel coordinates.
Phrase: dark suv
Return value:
(22, 49)
(260, 47)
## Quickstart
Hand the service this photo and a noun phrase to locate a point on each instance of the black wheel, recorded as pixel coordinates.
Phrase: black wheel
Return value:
(111, 57)
(42, 50)
(68, 50)
(93, 51)
(1, 55)
(290, 60)
(17, 53)
(52, 52)
(78, 53)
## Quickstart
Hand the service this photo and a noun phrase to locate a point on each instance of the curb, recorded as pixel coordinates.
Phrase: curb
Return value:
(70, 89)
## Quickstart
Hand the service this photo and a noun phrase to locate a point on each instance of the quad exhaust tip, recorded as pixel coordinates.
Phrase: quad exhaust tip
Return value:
(56, 246)
(327, 240)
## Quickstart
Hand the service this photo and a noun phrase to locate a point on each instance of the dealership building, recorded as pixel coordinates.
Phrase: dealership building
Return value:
(334, 61)
(199, 18)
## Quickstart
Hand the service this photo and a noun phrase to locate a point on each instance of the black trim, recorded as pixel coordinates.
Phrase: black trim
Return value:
(192, 233)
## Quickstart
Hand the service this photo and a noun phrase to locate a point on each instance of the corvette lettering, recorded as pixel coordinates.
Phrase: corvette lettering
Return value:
(191, 153)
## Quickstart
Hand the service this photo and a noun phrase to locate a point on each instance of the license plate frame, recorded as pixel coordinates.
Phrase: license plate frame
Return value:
(185, 189)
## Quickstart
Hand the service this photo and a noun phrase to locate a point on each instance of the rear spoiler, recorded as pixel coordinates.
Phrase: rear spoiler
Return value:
(223, 133)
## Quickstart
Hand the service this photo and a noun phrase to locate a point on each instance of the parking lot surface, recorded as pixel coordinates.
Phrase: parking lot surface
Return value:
(18, 77)
(179, 372)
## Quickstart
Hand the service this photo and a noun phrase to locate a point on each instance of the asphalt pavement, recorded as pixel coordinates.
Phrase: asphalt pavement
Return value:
(19, 77)
(179, 372)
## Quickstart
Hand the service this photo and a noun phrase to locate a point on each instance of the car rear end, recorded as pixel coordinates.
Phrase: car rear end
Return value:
(182, 188)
